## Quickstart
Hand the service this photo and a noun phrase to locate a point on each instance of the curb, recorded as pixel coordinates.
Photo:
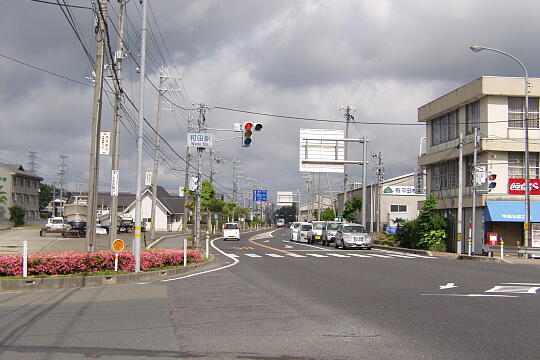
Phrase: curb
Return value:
(67, 282)
(446, 255)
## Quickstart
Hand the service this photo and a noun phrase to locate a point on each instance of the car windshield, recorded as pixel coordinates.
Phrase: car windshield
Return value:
(230, 226)
(318, 226)
(57, 221)
(305, 227)
(296, 225)
(332, 226)
(354, 229)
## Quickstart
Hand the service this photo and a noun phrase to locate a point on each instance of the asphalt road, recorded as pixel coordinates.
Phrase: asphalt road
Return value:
(269, 298)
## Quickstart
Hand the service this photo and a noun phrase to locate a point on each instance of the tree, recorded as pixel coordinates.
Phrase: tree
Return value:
(328, 214)
(427, 231)
(351, 207)
(45, 195)
(287, 213)
(16, 214)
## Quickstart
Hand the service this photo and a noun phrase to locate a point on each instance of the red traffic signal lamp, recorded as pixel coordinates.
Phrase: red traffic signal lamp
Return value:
(491, 181)
(246, 133)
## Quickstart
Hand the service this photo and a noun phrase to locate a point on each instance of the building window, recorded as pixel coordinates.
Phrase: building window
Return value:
(14, 181)
(444, 175)
(516, 168)
(516, 112)
(14, 196)
(472, 116)
(398, 208)
(444, 128)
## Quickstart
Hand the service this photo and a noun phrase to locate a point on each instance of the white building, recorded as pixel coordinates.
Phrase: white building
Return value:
(495, 105)
(396, 199)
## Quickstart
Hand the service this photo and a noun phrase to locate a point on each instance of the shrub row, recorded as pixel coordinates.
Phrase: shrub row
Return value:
(73, 262)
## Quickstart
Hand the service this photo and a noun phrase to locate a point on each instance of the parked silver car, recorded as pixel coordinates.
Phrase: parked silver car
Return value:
(329, 232)
(352, 236)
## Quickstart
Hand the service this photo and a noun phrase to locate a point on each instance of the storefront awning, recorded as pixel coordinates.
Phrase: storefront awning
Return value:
(510, 211)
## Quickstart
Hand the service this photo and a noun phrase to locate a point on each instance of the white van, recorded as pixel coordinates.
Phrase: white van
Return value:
(231, 231)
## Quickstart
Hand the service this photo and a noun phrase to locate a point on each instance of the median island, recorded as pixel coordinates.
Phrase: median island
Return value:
(79, 263)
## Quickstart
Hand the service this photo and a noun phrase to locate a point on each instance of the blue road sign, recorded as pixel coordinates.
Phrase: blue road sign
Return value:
(260, 195)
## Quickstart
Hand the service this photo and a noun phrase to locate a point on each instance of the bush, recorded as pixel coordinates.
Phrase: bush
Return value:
(16, 214)
(73, 262)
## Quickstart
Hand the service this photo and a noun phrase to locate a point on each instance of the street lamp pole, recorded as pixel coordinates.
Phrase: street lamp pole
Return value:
(526, 225)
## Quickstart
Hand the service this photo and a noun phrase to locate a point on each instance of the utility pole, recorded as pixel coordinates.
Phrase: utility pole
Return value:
(379, 170)
(348, 117)
(140, 135)
(118, 99)
(61, 171)
(186, 179)
(200, 125)
(156, 158)
(460, 196)
(364, 182)
(93, 173)
(475, 160)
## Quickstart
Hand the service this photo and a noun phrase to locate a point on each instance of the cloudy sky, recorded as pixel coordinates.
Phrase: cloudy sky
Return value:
(289, 57)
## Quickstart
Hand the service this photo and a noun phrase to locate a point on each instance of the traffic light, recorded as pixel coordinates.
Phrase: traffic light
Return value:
(491, 181)
(258, 126)
(246, 133)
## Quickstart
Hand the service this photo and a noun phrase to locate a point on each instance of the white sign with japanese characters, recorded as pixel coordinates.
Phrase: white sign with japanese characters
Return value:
(200, 140)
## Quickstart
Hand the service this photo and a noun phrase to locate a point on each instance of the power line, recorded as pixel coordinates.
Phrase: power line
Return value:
(65, 5)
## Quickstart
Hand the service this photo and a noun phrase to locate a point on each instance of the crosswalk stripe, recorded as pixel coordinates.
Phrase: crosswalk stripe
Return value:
(275, 255)
(402, 256)
(253, 255)
(296, 255)
(317, 255)
(338, 255)
(378, 255)
(359, 255)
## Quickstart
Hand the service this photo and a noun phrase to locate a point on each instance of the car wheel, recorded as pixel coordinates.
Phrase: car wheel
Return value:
(368, 248)
(336, 244)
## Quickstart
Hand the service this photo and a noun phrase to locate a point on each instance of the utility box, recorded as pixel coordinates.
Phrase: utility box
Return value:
(492, 238)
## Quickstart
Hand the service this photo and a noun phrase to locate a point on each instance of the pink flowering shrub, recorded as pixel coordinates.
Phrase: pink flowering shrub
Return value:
(73, 262)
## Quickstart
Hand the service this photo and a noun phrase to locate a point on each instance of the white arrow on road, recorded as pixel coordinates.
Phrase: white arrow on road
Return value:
(447, 286)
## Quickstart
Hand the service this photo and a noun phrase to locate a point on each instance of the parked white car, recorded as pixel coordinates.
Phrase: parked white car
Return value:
(55, 223)
(231, 231)
(318, 227)
(305, 232)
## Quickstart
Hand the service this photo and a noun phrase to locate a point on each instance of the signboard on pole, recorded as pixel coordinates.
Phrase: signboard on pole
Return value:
(200, 140)
(105, 143)
(319, 148)
(285, 198)
(260, 195)
(148, 178)
(114, 183)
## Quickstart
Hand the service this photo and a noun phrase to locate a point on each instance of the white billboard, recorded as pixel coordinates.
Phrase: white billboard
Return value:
(320, 150)
(285, 198)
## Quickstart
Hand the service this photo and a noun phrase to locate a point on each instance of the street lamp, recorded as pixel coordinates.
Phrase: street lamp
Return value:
(527, 189)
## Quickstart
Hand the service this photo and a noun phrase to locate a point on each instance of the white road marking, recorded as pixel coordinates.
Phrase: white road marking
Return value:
(338, 255)
(253, 255)
(402, 256)
(526, 284)
(447, 286)
(296, 255)
(317, 255)
(378, 255)
(471, 295)
(288, 247)
(232, 255)
(236, 261)
(520, 289)
(275, 255)
(359, 255)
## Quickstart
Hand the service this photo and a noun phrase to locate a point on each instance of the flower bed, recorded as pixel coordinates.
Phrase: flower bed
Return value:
(73, 262)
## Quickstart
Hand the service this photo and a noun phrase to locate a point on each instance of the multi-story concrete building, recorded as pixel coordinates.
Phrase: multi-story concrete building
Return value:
(21, 188)
(495, 106)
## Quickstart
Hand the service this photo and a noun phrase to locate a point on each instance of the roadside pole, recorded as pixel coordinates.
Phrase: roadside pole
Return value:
(460, 196)
(25, 258)
(93, 173)
(156, 158)
(475, 159)
(115, 159)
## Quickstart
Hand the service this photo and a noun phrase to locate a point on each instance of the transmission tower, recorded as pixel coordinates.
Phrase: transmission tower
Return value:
(32, 163)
